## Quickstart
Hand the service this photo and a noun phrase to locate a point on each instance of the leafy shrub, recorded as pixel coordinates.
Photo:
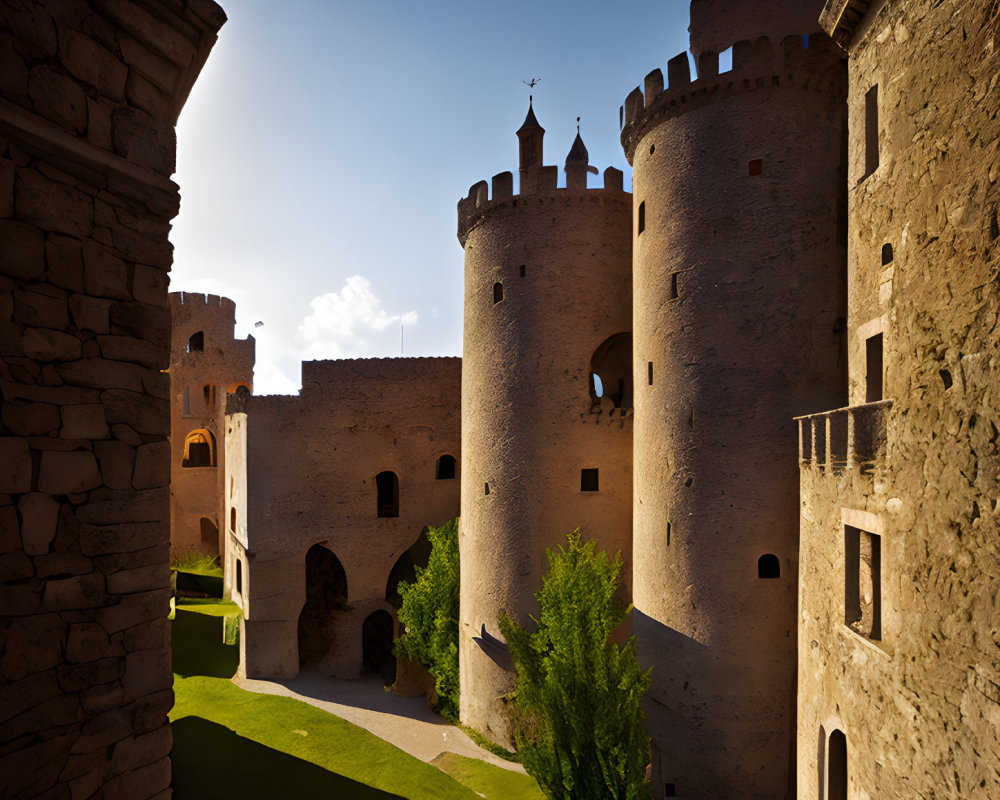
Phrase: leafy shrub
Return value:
(429, 615)
(578, 702)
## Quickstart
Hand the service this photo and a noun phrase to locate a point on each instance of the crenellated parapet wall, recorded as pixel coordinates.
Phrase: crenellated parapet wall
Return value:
(757, 65)
(481, 200)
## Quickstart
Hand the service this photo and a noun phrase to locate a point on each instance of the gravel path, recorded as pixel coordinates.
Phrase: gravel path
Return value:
(405, 722)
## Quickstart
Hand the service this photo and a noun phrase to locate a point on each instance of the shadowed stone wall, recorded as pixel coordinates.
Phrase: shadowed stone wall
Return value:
(917, 695)
(89, 95)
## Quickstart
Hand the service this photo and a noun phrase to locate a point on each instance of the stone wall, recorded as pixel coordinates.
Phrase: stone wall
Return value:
(203, 370)
(311, 463)
(89, 95)
(918, 703)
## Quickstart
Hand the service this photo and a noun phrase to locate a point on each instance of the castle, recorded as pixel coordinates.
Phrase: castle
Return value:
(767, 376)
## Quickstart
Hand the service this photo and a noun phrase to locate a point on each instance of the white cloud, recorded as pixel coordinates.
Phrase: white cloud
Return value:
(351, 323)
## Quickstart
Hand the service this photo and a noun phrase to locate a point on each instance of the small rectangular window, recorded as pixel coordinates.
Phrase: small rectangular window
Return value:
(523, 269)
(871, 131)
(668, 533)
(755, 167)
(669, 790)
(863, 582)
(588, 480)
(642, 216)
(239, 577)
(649, 368)
(673, 286)
(873, 369)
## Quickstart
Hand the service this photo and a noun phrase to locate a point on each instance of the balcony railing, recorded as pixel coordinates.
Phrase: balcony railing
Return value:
(845, 438)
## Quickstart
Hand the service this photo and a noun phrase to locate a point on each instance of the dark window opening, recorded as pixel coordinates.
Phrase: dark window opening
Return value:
(486, 488)
(673, 286)
(652, 149)
(497, 292)
(886, 254)
(239, 577)
(873, 369)
(405, 568)
(768, 566)
(755, 167)
(871, 131)
(946, 378)
(209, 536)
(649, 369)
(199, 449)
(642, 216)
(668, 533)
(326, 598)
(377, 633)
(588, 480)
(863, 582)
(611, 371)
(196, 343)
(208, 392)
(387, 488)
(669, 790)
(232, 519)
(523, 270)
(445, 468)
(837, 767)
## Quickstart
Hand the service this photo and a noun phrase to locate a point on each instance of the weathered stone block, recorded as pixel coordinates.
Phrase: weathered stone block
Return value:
(143, 579)
(152, 466)
(140, 321)
(138, 751)
(15, 466)
(66, 472)
(150, 635)
(101, 698)
(43, 344)
(13, 74)
(104, 273)
(30, 419)
(62, 564)
(149, 97)
(133, 559)
(34, 644)
(77, 677)
(149, 284)
(157, 384)
(15, 567)
(127, 434)
(52, 714)
(20, 768)
(134, 351)
(52, 206)
(105, 729)
(143, 413)
(151, 711)
(19, 600)
(65, 262)
(39, 516)
(84, 422)
(91, 63)
(10, 538)
(90, 313)
(140, 783)
(89, 642)
(79, 591)
(119, 538)
(116, 461)
(135, 609)
(137, 137)
(108, 507)
(147, 671)
(58, 98)
(6, 181)
(101, 373)
(23, 249)
(40, 310)
(99, 122)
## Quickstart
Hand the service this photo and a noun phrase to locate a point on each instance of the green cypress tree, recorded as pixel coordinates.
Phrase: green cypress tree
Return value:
(430, 616)
(578, 701)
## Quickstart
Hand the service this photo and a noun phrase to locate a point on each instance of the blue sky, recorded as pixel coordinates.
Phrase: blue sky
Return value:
(324, 148)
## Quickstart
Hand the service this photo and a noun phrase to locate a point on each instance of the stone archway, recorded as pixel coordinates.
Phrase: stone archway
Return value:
(326, 600)
(377, 633)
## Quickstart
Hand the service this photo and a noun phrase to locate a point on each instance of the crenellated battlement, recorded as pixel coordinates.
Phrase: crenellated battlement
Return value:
(195, 301)
(757, 65)
(481, 199)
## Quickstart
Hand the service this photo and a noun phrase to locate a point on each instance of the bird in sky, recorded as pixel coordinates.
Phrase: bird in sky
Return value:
(534, 82)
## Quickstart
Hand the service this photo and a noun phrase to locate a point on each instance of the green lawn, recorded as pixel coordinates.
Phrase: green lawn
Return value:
(229, 743)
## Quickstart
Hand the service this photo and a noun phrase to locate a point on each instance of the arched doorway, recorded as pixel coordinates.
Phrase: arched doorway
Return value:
(377, 634)
(611, 371)
(836, 780)
(326, 597)
(405, 568)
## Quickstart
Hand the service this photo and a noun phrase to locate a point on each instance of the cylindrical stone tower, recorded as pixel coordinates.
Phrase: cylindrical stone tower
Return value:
(546, 446)
(739, 303)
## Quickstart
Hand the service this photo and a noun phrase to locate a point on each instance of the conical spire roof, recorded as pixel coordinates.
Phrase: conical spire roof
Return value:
(578, 152)
(530, 122)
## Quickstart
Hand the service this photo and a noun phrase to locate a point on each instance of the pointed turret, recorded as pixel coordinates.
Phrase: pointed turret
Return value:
(578, 163)
(530, 136)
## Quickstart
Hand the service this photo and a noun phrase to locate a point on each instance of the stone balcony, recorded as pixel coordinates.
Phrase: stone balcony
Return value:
(845, 438)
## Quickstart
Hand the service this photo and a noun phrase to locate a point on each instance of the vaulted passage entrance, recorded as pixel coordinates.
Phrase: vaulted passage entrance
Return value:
(377, 634)
(326, 599)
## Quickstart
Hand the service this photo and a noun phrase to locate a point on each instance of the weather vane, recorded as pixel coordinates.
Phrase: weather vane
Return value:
(534, 82)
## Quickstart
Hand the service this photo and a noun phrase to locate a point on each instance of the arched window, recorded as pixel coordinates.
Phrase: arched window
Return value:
(886, 253)
(768, 566)
(199, 449)
(836, 775)
(497, 292)
(387, 487)
(445, 468)
(196, 343)
(611, 371)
